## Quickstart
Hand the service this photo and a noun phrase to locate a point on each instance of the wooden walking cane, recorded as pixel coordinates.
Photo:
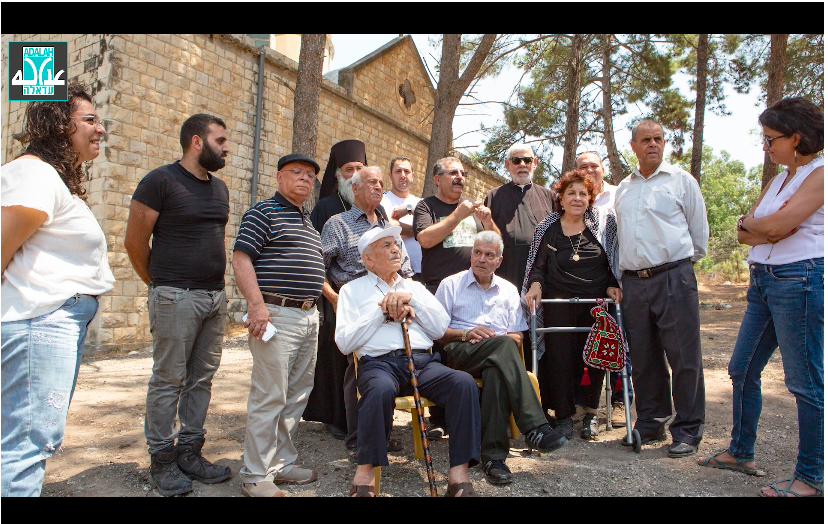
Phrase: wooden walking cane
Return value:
(419, 405)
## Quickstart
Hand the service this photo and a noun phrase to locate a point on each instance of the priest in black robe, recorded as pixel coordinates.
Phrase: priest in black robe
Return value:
(517, 209)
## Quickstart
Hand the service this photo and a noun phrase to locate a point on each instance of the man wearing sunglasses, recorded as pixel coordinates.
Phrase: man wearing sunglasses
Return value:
(517, 209)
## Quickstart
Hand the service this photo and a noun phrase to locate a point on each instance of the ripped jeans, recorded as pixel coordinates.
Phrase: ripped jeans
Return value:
(40, 361)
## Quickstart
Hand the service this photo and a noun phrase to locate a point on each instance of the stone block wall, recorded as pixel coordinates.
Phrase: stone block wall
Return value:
(145, 86)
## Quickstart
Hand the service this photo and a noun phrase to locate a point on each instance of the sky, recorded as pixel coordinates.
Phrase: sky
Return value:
(738, 134)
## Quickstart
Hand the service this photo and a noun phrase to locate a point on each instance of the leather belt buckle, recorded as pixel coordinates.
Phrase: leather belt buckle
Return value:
(307, 304)
(644, 273)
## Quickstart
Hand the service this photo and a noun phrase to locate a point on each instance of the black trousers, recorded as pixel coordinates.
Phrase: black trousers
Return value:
(661, 318)
(382, 379)
(506, 390)
(561, 367)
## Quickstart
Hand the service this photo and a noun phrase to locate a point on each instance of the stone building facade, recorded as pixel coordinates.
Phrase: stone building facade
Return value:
(145, 86)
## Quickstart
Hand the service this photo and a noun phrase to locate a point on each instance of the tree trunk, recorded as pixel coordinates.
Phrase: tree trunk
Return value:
(701, 103)
(306, 101)
(573, 82)
(776, 75)
(616, 168)
(450, 89)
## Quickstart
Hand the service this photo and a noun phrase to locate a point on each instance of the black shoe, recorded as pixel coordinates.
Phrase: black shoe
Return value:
(564, 426)
(435, 432)
(165, 475)
(497, 472)
(661, 436)
(338, 434)
(682, 449)
(544, 438)
(590, 430)
(196, 467)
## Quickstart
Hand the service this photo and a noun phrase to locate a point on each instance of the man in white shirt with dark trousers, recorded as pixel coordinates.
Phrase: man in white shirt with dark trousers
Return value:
(662, 232)
(368, 320)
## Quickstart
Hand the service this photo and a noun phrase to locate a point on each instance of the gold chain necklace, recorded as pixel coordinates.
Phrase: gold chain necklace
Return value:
(575, 257)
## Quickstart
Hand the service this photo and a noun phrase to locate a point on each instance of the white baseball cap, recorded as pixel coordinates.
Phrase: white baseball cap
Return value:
(376, 233)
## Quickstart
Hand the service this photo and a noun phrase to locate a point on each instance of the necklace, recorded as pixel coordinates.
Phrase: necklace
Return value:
(575, 257)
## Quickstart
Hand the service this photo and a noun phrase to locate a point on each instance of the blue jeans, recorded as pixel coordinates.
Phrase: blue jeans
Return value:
(40, 361)
(785, 310)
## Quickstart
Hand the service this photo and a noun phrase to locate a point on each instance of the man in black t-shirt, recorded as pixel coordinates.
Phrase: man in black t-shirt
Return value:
(185, 209)
(446, 225)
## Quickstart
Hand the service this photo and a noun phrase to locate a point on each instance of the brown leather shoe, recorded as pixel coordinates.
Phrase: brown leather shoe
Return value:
(468, 490)
(618, 418)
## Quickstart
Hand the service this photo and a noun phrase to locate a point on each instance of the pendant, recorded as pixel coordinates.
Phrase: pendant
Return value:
(575, 257)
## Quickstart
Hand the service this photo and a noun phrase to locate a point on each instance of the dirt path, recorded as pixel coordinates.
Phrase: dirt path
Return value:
(104, 452)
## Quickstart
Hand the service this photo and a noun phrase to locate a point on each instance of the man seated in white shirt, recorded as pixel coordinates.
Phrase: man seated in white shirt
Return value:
(368, 318)
(483, 339)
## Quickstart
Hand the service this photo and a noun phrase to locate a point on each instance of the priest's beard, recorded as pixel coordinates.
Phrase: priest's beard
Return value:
(345, 188)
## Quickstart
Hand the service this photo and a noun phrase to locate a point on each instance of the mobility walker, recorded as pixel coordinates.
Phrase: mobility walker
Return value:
(633, 437)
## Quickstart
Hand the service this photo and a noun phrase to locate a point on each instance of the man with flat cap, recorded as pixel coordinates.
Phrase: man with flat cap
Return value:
(277, 260)
(369, 314)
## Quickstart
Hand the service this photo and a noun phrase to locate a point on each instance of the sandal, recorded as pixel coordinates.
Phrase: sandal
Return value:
(468, 490)
(361, 491)
(740, 466)
(786, 491)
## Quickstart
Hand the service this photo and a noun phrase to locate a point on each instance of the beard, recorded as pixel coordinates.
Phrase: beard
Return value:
(522, 179)
(345, 188)
(210, 160)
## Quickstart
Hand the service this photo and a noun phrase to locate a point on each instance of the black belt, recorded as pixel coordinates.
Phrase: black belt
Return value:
(304, 305)
(401, 353)
(646, 273)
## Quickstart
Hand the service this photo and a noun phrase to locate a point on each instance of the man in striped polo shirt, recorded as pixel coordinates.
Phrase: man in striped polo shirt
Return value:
(279, 269)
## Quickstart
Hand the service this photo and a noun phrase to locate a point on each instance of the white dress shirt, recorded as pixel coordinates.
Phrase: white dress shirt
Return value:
(469, 305)
(360, 323)
(607, 197)
(661, 218)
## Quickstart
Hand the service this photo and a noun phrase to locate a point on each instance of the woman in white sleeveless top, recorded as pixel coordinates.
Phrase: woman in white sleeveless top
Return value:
(785, 298)
(54, 265)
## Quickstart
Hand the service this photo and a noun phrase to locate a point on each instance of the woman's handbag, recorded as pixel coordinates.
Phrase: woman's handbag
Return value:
(605, 346)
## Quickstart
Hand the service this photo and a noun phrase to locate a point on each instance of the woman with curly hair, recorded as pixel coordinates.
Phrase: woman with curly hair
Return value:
(573, 254)
(54, 267)
(785, 300)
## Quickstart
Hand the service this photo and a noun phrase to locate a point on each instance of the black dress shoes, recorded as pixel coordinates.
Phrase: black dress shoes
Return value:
(497, 472)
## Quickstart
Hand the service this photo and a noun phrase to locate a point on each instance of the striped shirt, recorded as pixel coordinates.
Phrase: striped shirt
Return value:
(285, 249)
(340, 237)
(469, 305)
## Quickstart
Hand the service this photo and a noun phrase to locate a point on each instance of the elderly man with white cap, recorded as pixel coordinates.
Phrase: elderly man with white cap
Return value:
(368, 325)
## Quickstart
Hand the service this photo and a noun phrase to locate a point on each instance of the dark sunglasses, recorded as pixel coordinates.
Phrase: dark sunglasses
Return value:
(517, 159)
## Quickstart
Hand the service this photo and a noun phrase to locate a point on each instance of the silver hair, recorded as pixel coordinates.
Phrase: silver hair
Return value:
(517, 146)
(646, 121)
(357, 179)
(490, 237)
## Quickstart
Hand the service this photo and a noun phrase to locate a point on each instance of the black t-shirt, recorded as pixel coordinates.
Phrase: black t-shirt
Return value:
(453, 253)
(188, 238)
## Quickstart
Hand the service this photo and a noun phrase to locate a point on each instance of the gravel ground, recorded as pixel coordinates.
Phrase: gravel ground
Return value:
(104, 452)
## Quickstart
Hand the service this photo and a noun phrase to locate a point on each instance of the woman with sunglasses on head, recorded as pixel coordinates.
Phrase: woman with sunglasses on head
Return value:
(785, 297)
(573, 254)
(55, 265)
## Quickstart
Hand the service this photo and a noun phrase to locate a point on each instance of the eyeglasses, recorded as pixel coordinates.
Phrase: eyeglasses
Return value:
(517, 159)
(454, 172)
(767, 139)
(299, 173)
(92, 120)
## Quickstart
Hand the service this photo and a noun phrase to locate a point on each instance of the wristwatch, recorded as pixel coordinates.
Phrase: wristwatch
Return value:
(409, 209)
(739, 223)
(463, 338)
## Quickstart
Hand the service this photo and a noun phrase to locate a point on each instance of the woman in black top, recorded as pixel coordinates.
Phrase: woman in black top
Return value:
(573, 255)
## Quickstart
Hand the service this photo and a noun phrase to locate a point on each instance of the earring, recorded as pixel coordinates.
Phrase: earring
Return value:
(796, 158)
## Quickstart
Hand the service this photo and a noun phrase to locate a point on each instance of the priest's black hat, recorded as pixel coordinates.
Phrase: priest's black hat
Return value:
(341, 153)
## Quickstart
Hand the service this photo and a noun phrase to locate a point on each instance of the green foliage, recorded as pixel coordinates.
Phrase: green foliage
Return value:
(729, 192)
